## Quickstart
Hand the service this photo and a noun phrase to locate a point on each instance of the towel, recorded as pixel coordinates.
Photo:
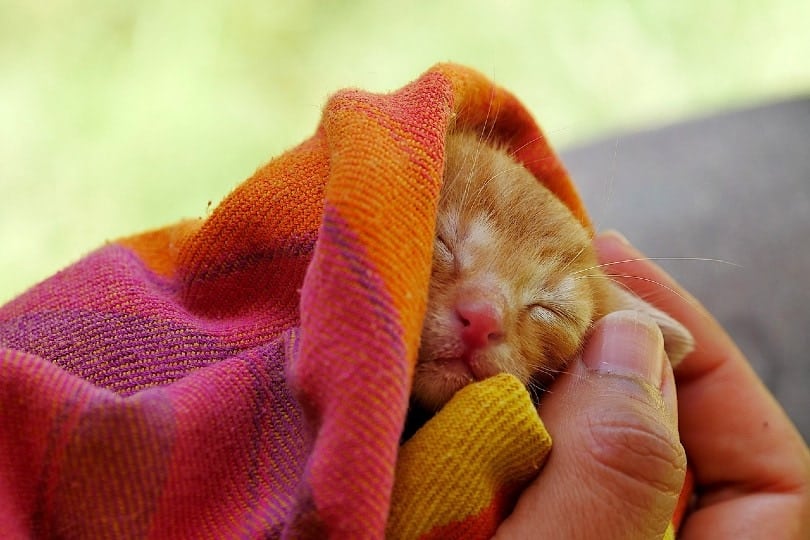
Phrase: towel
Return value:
(247, 375)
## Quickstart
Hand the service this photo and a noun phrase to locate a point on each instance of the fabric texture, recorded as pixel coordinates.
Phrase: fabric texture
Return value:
(247, 374)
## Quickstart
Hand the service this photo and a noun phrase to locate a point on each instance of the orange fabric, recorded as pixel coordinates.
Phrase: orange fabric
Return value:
(247, 374)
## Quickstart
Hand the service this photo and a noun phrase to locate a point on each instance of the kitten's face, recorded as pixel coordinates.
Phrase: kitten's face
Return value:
(514, 283)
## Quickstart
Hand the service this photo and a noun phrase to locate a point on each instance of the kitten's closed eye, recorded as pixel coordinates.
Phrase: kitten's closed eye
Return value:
(441, 250)
(543, 313)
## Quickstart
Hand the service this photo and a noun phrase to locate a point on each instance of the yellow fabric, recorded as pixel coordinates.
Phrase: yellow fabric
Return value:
(458, 473)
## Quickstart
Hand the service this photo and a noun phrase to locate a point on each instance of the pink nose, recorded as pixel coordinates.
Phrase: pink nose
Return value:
(481, 320)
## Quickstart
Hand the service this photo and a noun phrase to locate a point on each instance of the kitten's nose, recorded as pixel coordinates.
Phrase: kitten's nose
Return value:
(481, 320)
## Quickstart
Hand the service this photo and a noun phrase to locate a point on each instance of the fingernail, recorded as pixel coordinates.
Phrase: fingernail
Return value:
(627, 343)
(613, 233)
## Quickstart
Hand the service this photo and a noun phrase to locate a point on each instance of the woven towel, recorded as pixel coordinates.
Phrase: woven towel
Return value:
(247, 375)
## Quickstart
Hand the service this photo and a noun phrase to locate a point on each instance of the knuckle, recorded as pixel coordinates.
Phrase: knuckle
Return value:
(638, 451)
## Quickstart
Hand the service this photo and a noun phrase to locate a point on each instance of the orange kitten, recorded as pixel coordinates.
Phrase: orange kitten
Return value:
(515, 283)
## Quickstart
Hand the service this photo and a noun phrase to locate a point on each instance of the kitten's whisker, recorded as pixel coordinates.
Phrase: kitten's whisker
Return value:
(533, 161)
(466, 199)
(573, 259)
(576, 376)
(486, 138)
(516, 167)
(613, 277)
(465, 193)
(486, 182)
(487, 128)
(700, 259)
(614, 281)
(514, 152)
(543, 135)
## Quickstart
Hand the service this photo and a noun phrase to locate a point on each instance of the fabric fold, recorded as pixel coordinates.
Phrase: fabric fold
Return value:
(247, 374)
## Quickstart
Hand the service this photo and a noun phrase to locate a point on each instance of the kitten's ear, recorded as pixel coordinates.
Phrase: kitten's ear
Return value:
(678, 341)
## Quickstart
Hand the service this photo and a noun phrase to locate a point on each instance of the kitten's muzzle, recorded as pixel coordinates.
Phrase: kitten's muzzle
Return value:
(481, 319)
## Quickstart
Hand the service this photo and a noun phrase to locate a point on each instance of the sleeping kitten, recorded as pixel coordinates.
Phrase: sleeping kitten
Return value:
(515, 283)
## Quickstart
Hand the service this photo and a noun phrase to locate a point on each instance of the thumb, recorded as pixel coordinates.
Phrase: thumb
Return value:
(617, 465)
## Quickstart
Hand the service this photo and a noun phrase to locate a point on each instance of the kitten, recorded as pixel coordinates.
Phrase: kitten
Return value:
(515, 282)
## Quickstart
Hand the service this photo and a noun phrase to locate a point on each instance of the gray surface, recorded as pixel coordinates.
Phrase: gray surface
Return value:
(734, 187)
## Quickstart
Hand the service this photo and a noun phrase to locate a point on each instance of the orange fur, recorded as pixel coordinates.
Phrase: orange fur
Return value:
(504, 238)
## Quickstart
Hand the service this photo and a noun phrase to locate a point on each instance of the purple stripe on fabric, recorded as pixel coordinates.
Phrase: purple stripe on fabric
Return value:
(113, 279)
(278, 445)
(352, 360)
(377, 296)
(113, 322)
(295, 247)
(238, 421)
(117, 351)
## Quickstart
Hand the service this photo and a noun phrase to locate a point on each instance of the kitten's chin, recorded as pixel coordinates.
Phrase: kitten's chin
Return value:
(435, 382)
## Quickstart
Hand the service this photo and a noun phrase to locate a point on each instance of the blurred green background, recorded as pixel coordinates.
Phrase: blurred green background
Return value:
(117, 117)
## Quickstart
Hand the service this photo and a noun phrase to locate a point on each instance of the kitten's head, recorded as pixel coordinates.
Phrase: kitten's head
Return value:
(510, 288)
(515, 283)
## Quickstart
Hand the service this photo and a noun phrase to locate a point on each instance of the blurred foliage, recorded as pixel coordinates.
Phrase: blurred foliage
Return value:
(121, 116)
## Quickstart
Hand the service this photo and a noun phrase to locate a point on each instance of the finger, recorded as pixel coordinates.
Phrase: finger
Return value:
(616, 467)
(738, 438)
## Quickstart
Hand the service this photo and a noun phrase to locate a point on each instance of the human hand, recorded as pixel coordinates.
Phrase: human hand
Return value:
(752, 467)
(617, 467)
